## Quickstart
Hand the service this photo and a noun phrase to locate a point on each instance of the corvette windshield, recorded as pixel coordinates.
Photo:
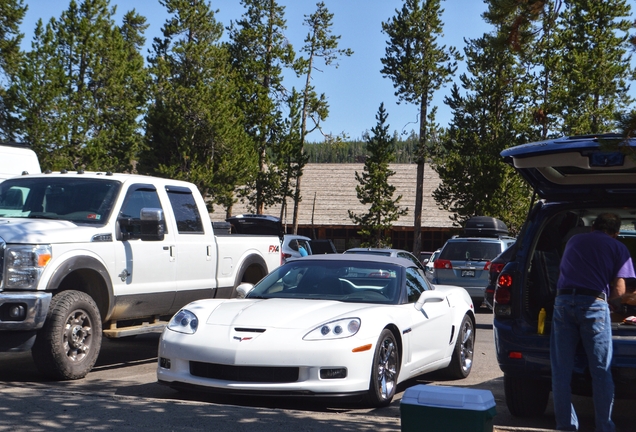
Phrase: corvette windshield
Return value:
(342, 280)
(77, 199)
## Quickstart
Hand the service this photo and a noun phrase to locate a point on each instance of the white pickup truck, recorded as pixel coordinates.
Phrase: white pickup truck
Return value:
(84, 254)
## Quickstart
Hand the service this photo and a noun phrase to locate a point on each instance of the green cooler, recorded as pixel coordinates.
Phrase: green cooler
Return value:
(437, 408)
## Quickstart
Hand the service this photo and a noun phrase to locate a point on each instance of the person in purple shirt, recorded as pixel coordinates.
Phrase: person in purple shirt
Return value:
(592, 271)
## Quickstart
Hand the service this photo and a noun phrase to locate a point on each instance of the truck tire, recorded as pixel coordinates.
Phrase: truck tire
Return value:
(526, 397)
(68, 344)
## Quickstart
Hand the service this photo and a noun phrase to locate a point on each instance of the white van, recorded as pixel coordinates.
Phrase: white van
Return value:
(15, 159)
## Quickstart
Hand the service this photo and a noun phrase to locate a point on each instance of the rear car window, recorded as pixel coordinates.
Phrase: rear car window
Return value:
(476, 251)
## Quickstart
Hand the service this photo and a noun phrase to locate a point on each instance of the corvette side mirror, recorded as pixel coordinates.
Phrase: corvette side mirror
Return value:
(243, 290)
(429, 297)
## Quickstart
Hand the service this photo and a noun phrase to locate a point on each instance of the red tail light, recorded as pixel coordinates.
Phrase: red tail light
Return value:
(497, 267)
(442, 264)
(487, 266)
(502, 293)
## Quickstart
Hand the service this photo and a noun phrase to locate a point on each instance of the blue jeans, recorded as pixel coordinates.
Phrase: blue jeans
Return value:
(586, 319)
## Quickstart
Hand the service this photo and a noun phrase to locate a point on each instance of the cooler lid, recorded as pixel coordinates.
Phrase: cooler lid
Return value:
(449, 397)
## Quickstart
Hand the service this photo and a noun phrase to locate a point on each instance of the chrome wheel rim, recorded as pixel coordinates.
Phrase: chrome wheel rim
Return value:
(467, 346)
(78, 335)
(386, 369)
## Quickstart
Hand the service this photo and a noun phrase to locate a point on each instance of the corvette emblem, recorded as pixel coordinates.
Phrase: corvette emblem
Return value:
(240, 339)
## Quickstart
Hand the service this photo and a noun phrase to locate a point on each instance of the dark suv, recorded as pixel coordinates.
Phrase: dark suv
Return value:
(576, 178)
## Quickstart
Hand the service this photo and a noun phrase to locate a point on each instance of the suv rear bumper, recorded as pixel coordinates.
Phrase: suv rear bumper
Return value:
(532, 352)
(521, 353)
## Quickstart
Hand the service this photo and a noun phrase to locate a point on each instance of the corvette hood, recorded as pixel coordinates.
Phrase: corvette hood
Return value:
(14, 230)
(282, 313)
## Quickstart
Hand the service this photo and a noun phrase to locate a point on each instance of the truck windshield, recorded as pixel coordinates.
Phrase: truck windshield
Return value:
(75, 199)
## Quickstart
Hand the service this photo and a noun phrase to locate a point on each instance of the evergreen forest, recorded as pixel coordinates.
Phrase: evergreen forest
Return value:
(209, 103)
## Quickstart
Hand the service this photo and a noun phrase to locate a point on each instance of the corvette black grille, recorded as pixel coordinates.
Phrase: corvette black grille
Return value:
(244, 373)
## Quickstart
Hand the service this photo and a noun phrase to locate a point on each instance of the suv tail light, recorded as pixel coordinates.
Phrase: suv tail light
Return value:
(487, 266)
(442, 264)
(496, 267)
(502, 298)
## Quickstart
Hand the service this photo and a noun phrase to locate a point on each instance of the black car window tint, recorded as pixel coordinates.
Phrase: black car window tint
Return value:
(415, 286)
(476, 251)
(138, 199)
(185, 210)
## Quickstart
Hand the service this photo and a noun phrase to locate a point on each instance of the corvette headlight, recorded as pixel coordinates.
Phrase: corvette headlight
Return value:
(24, 265)
(184, 322)
(337, 329)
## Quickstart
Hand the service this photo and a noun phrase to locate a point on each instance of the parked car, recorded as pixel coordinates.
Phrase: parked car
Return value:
(425, 256)
(399, 253)
(17, 159)
(429, 265)
(295, 246)
(576, 179)
(256, 224)
(465, 260)
(322, 246)
(325, 325)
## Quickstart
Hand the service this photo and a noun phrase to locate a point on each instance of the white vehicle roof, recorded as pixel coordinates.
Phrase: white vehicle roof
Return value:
(16, 159)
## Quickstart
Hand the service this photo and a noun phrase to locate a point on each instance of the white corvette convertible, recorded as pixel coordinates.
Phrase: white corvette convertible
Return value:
(322, 325)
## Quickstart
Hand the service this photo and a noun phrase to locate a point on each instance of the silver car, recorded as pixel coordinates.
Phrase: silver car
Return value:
(387, 252)
(465, 261)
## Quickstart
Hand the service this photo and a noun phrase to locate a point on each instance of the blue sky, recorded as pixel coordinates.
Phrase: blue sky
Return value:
(356, 88)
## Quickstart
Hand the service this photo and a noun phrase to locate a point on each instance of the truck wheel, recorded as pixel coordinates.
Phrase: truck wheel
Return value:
(68, 344)
(526, 397)
(462, 361)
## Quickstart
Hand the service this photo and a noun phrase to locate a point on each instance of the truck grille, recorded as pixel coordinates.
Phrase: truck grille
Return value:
(244, 373)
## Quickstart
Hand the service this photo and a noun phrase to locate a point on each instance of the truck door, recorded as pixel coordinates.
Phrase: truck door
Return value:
(145, 276)
(196, 250)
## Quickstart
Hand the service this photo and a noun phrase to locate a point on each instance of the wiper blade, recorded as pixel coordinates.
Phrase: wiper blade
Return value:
(39, 216)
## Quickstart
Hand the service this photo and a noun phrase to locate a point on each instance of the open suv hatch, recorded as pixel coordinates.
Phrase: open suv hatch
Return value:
(576, 179)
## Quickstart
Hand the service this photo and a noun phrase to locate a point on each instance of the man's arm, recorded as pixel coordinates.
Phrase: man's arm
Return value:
(617, 288)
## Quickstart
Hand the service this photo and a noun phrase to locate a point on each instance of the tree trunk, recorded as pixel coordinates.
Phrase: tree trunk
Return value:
(419, 187)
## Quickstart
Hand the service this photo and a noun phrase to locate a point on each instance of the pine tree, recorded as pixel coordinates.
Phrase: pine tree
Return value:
(595, 65)
(11, 14)
(194, 129)
(259, 52)
(474, 179)
(82, 89)
(41, 102)
(418, 67)
(374, 188)
(320, 44)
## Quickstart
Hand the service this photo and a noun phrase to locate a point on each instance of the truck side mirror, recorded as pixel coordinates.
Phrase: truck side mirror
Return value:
(151, 225)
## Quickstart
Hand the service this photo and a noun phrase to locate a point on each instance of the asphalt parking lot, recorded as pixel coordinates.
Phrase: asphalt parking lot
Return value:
(121, 394)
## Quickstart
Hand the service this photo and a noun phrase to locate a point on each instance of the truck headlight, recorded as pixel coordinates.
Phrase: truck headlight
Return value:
(24, 265)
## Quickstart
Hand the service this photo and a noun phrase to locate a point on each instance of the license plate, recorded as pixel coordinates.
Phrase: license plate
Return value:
(468, 273)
